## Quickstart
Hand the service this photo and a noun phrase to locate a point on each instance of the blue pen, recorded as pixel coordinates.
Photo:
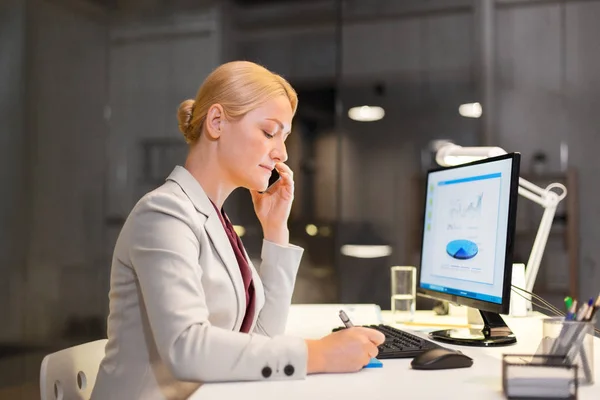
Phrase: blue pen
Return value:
(593, 309)
(588, 310)
(571, 314)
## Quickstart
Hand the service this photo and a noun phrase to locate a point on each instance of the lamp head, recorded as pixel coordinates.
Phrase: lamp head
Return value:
(452, 154)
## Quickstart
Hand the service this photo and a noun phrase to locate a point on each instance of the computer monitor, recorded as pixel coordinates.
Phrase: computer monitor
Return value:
(467, 248)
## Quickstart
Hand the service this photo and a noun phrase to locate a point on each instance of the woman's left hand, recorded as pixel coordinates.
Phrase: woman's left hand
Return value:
(273, 206)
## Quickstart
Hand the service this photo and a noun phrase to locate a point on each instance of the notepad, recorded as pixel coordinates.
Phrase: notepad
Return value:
(374, 363)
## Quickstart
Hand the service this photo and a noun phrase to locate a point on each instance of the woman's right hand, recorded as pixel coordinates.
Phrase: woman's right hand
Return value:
(347, 350)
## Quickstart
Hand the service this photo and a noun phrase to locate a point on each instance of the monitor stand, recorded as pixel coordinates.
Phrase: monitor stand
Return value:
(495, 332)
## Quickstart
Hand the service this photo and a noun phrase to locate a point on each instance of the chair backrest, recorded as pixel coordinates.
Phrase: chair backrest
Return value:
(71, 373)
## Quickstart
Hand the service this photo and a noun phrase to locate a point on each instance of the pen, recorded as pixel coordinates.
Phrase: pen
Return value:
(345, 319)
(582, 312)
(572, 310)
(588, 310)
(595, 308)
(374, 363)
(568, 303)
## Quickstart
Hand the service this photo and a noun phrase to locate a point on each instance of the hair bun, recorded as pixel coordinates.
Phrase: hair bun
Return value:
(184, 116)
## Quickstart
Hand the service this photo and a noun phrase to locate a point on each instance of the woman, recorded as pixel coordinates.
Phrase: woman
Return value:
(186, 304)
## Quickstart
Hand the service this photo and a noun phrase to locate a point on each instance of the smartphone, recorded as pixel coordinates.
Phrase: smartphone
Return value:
(273, 179)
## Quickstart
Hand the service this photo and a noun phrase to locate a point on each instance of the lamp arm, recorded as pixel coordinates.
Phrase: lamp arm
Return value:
(531, 187)
(539, 245)
(549, 200)
(540, 191)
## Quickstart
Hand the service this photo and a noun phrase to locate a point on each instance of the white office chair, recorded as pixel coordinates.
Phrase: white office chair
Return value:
(71, 373)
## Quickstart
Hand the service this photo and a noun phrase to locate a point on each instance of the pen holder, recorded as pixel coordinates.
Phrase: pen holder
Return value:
(573, 340)
(538, 377)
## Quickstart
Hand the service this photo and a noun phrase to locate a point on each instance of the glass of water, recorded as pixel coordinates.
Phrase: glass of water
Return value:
(404, 292)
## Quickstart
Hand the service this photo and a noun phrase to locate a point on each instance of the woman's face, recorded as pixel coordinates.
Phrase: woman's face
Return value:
(251, 146)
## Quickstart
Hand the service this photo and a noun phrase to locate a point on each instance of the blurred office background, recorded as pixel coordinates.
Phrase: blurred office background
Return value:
(88, 100)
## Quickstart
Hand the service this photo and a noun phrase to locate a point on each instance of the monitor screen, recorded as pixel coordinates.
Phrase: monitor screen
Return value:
(470, 213)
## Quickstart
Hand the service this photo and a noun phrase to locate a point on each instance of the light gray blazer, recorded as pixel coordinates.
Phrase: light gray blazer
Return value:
(177, 302)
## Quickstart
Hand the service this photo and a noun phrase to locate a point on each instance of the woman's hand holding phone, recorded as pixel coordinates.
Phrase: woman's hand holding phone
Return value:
(272, 180)
(273, 206)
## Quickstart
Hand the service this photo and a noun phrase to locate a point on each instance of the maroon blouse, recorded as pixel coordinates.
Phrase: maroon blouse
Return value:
(238, 249)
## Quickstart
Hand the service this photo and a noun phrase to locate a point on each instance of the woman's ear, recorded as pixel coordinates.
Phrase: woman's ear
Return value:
(214, 121)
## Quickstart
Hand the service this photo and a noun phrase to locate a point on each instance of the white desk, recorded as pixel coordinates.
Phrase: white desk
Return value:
(396, 380)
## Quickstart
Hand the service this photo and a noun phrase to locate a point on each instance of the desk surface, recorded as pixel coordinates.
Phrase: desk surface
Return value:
(396, 379)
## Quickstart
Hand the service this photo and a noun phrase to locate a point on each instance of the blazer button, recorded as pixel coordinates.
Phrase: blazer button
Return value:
(266, 372)
(289, 370)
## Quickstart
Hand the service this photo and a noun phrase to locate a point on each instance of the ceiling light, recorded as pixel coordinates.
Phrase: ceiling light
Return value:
(470, 110)
(366, 251)
(366, 113)
(366, 244)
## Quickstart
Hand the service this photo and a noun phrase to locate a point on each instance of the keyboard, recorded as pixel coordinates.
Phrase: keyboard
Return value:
(400, 344)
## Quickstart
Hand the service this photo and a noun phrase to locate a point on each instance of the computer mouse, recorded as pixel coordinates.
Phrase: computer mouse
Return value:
(441, 358)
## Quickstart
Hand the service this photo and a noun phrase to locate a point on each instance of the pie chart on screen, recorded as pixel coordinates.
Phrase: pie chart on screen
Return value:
(462, 249)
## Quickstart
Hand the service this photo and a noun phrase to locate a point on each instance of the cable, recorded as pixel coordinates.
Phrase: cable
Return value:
(556, 310)
(541, 306)
(547, 307)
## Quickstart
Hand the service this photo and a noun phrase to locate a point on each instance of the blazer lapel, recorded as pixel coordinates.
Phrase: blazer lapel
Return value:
(216, 232)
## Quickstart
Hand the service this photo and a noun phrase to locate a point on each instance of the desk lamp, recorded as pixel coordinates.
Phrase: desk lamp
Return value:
(451, 154)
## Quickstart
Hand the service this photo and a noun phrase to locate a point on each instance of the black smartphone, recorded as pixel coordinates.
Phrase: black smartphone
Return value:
(272, 180)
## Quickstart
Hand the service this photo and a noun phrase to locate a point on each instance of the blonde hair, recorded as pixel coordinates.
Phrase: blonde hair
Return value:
(239, 87)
